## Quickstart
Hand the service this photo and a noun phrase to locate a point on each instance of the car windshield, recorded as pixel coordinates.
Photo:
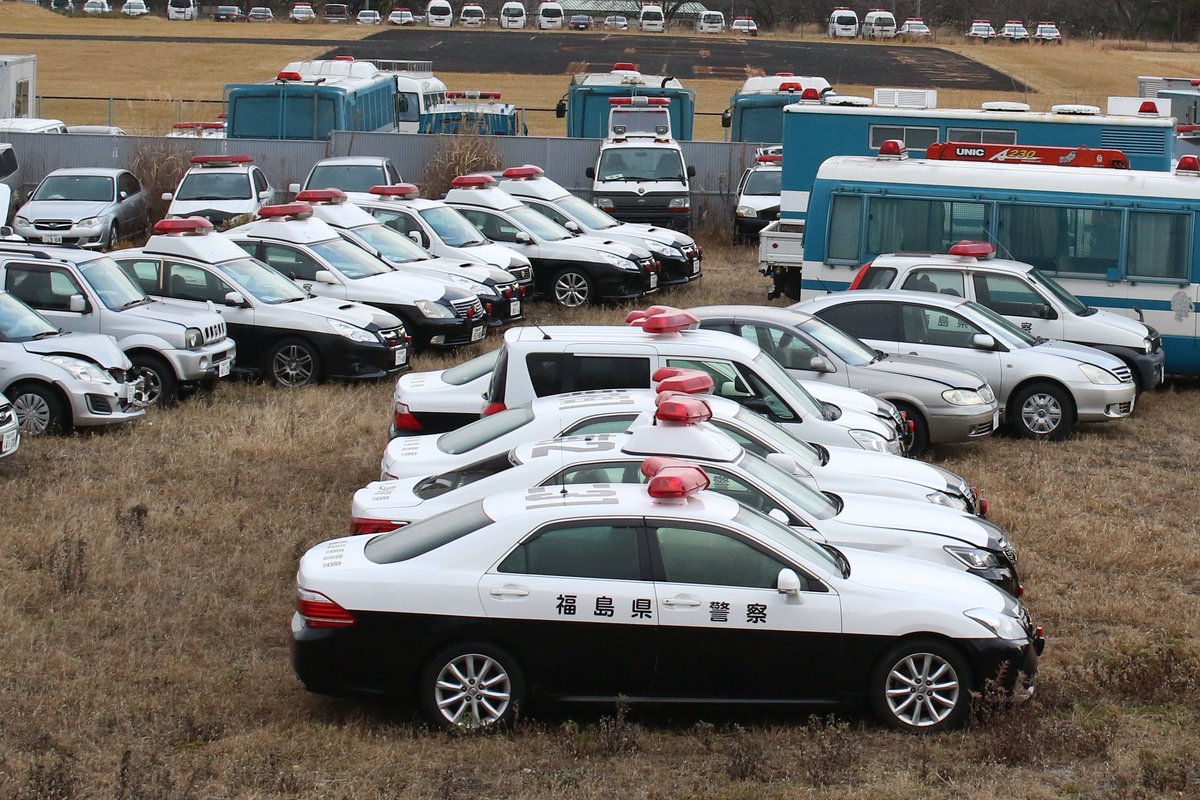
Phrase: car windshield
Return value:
(1002, 329)
(790, 486)
(778, 377)
(116, 289)
(84, 188)
(204, 185)
(541, 227)
(787, 539)
(1073, 303)
(586, 213)
(347, 177)
(393, 245)
(20, 323)
(513, 12)
(482, 431)
(640, 164)
(764, 182)
(848, 348)
(452, 227)
(351, 261)
(777, 437)
(261, 282)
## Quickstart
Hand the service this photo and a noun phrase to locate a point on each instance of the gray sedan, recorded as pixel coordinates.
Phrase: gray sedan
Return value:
(84, 206)
(944, 402)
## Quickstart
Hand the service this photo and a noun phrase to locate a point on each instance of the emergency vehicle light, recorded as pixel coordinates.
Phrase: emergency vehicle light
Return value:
(343, 58)
(222, 115)
(785, 74)
(810, 94)
(893, 149)
(186, 125)
(977, 249)
(655, 464)
(677, 482)
(769, 158)
(687, 410)
(675, 379)
(472, 181)
(408, 191)
(1148, 107)
(193, 225)
(289, 76)
(213, 161)
(362, 525)
(212, 126)
(295, 210)
(526, 171)
(1188, 165)
(332, 196)
(624, 66)
(662, 319)
(473, 94)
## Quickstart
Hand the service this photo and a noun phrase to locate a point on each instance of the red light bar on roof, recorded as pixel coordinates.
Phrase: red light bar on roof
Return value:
(624, 66)
(472, 181)
(212, 126)
(193, 225)
(1148, 107)
(810, 94)
(785, 74)
(684, 409)
(769, 158)
(343, 58)
(526, 171)
(289, 76)
(655, 464)
(687, 381)
(1188, 165)
(662, 319)
(409, 191)
(186, 125)
(218, 160)
(295, 210)
(330, 196)
(893, 149)
(976, 249)
(677, 482)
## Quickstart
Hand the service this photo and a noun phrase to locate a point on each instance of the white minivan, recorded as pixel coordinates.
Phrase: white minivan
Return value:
(711, 22)
(182, 9)
(651, 18)
(512, 15)
(843, 23)
(439, 14)
(471, 16)
(878, 24)
(549, 15)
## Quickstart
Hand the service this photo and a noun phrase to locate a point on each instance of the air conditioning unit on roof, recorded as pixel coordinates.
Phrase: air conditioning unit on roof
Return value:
(906, 98)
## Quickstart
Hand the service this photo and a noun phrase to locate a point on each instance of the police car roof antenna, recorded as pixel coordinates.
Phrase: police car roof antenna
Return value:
(545, 336)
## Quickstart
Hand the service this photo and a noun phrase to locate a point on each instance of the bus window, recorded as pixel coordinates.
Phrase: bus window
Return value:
(407, 109)
(923, 226)
(913, 138)
(845, 228)
(1059, 239)
(1157, 246)
(981, 136)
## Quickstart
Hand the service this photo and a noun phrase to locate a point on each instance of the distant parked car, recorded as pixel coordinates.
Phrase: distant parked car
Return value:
(913, 28)
(616, 23)
(135, 8)
(1014, 31)
(97, 130)
(368, 17)
(401, 16)
(225, 14)
(744, 26)
(580, 22)
(1047, 32)
(63, 6)
(302, 12)
(260, 14)
(981, 31)
(338, 13)
(97, 7)
(84, 206)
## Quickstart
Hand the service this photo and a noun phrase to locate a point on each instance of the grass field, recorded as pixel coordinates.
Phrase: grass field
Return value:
(148, 578)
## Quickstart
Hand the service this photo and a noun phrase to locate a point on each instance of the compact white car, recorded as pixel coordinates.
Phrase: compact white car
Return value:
(663, 592)
(1014, 31)
(60, 381)
(758, 191)
(913, 28)
(744, 26)
(981, 31)
(616, 410)
(677, 253)
(320, 261)
(368, 17)
(401, 16)
(302, 12)
(1044, 387)
(220, 188)
(290, 337)
(10, 428)
(1047, 32)
(97, 7)
(441, 230)
(135, 8)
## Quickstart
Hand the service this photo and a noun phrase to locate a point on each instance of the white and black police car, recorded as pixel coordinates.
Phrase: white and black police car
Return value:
(657, 593)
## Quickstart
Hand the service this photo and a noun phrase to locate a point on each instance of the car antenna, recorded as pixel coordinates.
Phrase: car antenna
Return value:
(545, 336)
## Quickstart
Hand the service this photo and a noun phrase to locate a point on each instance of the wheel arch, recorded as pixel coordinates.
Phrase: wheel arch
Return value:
(144, 348)
(55, 386)
(950, 641)
(1025, 383)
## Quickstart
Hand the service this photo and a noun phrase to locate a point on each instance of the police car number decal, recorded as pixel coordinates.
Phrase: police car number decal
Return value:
(577, 446)
(594, 398)
(550, 496)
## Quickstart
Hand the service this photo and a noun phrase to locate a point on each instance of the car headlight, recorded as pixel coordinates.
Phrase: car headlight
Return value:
(474, 287)
(1147, 346)
(943, 499)
(604, 203)
(1003, 626)
(869, 440)
(663, 249)
(434, 310)
(1098, 375)
(746, 212)
(91, 222)
(678, 202)
(975, 557)
(353, 333)
(79, 369)
(21, 222)
(193, 338)
(962, 397)
(619, 262)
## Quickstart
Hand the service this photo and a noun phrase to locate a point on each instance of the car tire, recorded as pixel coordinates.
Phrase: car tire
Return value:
(39, 408)
(921, 685)
(572, 288)
(160, 386)
(471, 685)
(114, 236)
(1042, 411)
(919, 440)
(292, 363)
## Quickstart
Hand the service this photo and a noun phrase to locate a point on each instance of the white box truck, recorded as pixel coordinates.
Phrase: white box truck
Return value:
(18, 86)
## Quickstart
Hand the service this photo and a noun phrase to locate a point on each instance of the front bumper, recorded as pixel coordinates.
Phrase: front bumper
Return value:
(449, 332)
(94, 404)
(69, 235)
(618, 284)
(1100, 403)
(347, 360)
(750, 226)
(1011, 665)
(962, 423)
(678, 270)
(213, 360)
(1150, 366)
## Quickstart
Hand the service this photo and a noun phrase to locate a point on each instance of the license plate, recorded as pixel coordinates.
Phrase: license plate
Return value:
(653, 280)
(996, 419)
(10, 441)
(52, 238)
(401, 356)
(476, 334)
(695, 267)
(514, 308)
(223, 367)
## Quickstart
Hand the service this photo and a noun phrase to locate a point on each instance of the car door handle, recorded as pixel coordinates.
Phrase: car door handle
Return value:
(680, 601)
(913, 353)
(509, 591)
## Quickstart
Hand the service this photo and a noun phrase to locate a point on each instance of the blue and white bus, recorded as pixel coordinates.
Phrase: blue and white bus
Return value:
(1124, 240)
(815, 132)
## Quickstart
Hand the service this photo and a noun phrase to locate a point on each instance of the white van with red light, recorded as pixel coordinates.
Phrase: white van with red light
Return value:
(439, 14)
(843, 23)
(651, 18)
(471, 16)
(220, 188)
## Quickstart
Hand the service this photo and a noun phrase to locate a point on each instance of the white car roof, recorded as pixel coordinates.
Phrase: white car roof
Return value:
(490, 197)
(342, 215)
(568, 336)
(211, 248)
(943, 259)
(541, 188)
(363, 161)
(295, 231)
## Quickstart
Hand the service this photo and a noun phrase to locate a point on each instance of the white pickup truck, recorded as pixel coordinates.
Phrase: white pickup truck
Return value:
(781, 256)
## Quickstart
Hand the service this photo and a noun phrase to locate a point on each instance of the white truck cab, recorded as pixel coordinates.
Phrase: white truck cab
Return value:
(758, 195)
(640, 173)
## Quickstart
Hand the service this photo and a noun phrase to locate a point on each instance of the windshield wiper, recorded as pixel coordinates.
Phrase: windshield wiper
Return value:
(879, 356)
(45, 334)
(1039, 340)
(133, 303)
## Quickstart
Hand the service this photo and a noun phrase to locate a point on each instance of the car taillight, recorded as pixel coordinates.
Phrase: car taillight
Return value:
(493, 408)
(403, 420)
(318, 611)
(360, 525)
(862, 273)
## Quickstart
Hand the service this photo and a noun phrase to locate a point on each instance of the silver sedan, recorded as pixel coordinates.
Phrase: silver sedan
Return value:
(944, 402)
(84, 206)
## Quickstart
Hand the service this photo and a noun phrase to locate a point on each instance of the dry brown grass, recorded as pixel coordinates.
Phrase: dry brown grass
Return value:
(147, 577)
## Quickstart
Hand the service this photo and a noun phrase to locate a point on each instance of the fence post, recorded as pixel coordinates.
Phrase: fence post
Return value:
(110, 110)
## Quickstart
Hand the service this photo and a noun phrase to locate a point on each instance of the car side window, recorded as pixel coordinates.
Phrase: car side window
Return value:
(744, 387)
(296, 265)
(789, 350)
(730, 485)
(128, 184)
(555, 373)
(613, 472)
(615, 424)
(712, 558)
(1009, 296)
(187, 282)
(607, 551)
(550, 212)
(936, 326)
(144, 272)
(749, 445)
(260, 182)
(943, 281)
(399, 221)
(392, 176)
(865, 320)
(41, 288)
(493, 227)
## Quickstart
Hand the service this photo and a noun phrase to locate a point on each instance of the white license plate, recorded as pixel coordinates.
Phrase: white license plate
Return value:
(695, 266)
(514, 308)
(476, 334)
(401, 356)
(223, 367)
(52, 238)
(653, 280)
(996, 419)
(10, 441)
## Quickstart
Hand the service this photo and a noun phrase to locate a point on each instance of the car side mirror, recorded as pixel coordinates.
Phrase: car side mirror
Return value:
(560, 109)
(6, 230)
(727, 119)
(572, 227)
(784, 462)
(523, 238)
(324, 276)
(265, 194)
(1045, 311)
(590, 172)
(235, 300)
(818, 364)
(789, 583)
(122, 195)
(779, 515)
(733, 389)
(982, 341)
(691, 171)
(78, 304)
(167, 197)
(294, 188)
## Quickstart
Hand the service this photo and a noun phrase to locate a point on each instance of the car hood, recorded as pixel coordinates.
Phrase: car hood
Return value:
(622, 249)
(949, 589)
(401, 286)
(863, 462)
(1080, 352)
(655, 233)
(94, 347)
(1120, 323)
(159, 311)
(941, 372)
(868, 511)
(356, 314)
(227, 208)
(74, 210)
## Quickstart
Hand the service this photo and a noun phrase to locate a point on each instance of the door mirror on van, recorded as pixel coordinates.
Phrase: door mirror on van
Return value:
(324, 276)
(727, 119)
(818, 364)
(1044, 311)
(78, 304)
(122, 195)
(789, 583)
(590, 172)
(235, 300)
(573, 227)
(784, 462)
(560, 110)
(982, 341)
(691, 171)
(734, 389)
(167, 197)
(294, 188)
(417, 237)
(265, 194)
(523, 238)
